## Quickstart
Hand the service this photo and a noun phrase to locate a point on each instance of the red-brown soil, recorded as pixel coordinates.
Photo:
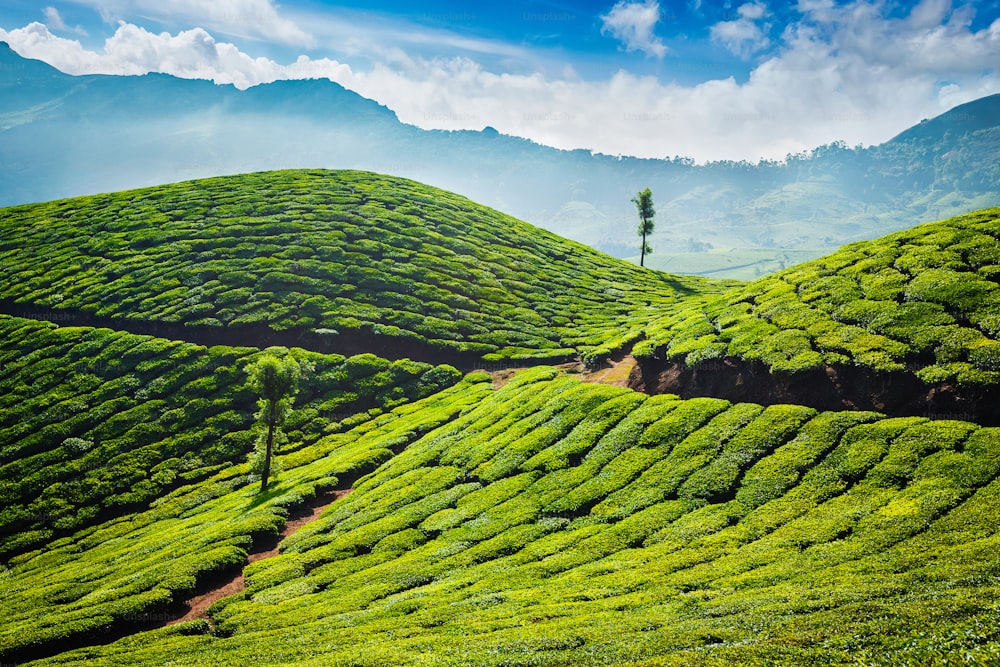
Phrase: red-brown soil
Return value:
(198, 606)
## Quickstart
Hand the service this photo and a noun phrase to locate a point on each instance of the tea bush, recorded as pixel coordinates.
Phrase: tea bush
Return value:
(639, 530)
(922, 300)
(95, 423)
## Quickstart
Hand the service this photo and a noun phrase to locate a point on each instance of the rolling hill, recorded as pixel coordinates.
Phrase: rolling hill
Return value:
(64, 136)
(96, 424)
(520, 518)
(349, 262)
(908, 323)
(554, 523)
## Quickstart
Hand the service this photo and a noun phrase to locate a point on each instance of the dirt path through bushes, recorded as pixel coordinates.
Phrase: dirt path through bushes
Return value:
(614, 371)
(198, 606)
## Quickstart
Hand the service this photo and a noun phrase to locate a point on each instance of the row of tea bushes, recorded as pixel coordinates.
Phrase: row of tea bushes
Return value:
(925, 300)
(95, 423)
(522, 528)
(340, 252)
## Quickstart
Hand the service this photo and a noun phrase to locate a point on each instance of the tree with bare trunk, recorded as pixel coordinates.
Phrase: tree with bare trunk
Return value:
(644, 205)
(276, 380)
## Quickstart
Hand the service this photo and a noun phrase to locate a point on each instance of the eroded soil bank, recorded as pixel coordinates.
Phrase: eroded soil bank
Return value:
(895, 394)
(347, 343)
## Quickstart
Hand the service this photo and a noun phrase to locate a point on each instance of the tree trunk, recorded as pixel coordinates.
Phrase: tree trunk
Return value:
(267, 457)
(642, 255)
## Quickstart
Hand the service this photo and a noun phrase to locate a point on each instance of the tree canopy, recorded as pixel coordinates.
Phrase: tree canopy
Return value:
(644, 205)
(276, 380)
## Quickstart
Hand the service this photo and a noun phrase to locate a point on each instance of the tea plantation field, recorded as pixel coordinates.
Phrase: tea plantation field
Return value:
(347, 255)
(557, 523)
(96, 423)
(545, 521)
(925, 300)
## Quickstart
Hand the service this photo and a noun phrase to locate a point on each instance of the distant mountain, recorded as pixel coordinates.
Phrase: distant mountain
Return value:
(64, 136)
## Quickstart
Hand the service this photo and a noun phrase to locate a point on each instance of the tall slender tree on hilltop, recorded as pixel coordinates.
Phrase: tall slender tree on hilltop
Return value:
(276, 381)
(644, 205)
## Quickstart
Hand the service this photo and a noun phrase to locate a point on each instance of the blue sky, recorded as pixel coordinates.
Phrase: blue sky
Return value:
(709, 80)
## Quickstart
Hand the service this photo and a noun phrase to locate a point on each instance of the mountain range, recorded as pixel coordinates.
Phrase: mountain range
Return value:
(63, 135)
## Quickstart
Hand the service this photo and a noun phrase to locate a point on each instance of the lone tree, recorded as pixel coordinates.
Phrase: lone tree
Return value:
(276, 381)
(644, 204)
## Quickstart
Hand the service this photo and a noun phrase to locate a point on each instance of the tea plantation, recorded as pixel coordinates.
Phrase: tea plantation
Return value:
(96, 423)
(346, 255)
(556, 523)
(544, 521)
(925, 300)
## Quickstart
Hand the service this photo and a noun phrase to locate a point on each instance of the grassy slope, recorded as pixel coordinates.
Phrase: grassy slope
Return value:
(344, 252)
(926, 299)
(96, 423)
(554, 523)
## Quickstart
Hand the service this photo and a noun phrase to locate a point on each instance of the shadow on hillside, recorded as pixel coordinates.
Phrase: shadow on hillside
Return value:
(895, 394)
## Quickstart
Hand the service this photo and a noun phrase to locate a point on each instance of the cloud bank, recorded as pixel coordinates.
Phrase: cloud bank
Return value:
(840, 72)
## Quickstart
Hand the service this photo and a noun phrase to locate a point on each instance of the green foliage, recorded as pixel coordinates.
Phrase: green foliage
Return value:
(547, 522)
(553, 523)
(916, 300)
(276, 380)
(337, 254)
(644, 207)
(96, 423)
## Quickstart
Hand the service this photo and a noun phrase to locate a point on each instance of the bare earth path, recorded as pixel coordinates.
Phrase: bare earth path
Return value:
(615, 371)
(198, 605)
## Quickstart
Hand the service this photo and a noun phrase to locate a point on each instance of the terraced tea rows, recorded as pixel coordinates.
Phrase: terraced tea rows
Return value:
(925, 300)
(555, 523)
(96, 424)
(351, 257)
(132, 572)
(548, 522)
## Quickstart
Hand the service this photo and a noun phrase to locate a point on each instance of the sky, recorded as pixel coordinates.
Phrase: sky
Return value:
(729, 80)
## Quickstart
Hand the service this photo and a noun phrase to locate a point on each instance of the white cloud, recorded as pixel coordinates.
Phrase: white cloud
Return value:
(842, 72)
(54, 20)
(257, 19)
(632, 23)
(743, 36)
(191, 54)
(752, 11)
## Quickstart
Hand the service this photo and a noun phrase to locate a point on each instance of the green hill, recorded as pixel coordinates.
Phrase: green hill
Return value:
(73, 135)
(96, 424)
(544, 521)
(351, 260)
(923, 303)
(556, 523)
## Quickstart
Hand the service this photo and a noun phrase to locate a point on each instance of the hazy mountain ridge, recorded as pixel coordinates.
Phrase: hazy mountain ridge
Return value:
(65, 136)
